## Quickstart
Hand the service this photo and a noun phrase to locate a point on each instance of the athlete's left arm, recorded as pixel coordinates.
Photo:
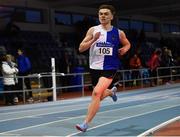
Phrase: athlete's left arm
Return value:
(125, 43)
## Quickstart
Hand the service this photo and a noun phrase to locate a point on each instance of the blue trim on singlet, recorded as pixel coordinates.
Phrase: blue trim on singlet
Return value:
(113, 62)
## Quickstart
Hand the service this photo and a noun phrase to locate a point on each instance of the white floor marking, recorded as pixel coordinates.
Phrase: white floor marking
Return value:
(137, 97)
(122, 119)
(158, 126)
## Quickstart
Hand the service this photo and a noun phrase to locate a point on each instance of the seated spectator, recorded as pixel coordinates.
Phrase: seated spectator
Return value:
(9, 72)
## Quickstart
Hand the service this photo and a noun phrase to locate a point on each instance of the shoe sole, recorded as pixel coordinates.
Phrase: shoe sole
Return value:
(78, 128)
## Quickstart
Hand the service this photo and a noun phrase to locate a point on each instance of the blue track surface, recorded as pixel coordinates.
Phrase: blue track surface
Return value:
(134, 113)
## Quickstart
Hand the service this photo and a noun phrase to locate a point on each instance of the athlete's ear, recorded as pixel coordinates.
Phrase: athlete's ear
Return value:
(112, 17)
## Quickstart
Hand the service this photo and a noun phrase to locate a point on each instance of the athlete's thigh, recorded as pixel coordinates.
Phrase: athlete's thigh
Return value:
(102, 84)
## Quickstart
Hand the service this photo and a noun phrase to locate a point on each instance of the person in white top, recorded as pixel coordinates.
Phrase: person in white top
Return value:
(9, 72)
(105, 43)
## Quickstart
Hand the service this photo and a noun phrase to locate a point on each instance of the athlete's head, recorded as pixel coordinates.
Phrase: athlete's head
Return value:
(106, 13)
(110, 7)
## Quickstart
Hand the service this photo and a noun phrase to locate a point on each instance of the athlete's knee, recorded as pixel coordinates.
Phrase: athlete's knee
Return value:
(96, 94)
(104, 95)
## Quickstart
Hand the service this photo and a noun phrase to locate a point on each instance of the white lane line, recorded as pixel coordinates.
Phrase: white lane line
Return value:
(122, 100)
(83, 115)
(60, 103)
(152, 130)
(40, 125)
(43, 124)
(114, 121)
(40, 115)
(39, 109)
(12, 135)
(146, 95)
(80, 107)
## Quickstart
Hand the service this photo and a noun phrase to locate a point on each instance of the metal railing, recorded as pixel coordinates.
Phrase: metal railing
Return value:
(74, 82)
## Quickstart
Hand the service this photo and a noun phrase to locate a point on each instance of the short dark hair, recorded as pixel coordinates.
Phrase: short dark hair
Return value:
(110, 7)
(158, 51)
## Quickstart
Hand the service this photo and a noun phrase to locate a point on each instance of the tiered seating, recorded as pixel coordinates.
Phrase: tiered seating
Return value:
(39, 47)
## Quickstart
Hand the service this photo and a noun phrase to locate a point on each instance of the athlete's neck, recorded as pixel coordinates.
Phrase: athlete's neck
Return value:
(107, 27)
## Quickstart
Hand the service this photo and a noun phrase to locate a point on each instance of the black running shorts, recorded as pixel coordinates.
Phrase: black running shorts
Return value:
(96, 74)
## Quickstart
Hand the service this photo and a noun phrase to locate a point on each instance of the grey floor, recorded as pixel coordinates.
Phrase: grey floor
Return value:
(134, 113)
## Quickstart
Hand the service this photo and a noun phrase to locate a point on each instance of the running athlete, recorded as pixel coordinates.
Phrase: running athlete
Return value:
(105, 43)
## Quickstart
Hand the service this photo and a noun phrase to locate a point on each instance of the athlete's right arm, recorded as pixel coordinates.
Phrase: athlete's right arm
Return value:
(88, 40)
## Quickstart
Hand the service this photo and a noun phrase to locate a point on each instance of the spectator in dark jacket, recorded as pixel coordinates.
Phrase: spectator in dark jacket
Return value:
(167, 61)
(24, 67)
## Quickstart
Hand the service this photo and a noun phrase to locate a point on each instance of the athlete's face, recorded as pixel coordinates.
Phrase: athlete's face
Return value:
(105, 16)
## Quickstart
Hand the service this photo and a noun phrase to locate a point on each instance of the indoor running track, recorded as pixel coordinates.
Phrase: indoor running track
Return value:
(134, 113)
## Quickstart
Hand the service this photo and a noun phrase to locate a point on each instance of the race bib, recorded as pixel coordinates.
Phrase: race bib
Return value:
(104, 51)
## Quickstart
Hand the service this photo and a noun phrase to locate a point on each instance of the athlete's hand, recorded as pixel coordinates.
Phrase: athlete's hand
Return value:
(96, 36)
(122, 51)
